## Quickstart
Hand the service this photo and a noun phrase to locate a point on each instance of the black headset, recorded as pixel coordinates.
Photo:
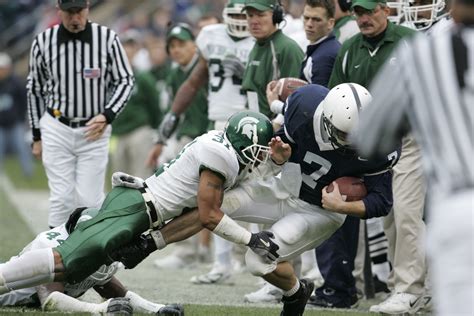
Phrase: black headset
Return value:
(345, 5)
(278, 13)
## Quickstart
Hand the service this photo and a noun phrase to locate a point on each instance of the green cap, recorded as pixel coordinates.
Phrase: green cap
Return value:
(367, 4)
(181, 32)
(260, 5)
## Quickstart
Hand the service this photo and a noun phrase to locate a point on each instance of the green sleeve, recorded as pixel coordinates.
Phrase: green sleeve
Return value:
(292, 57)
(337, 76)
(151, 100)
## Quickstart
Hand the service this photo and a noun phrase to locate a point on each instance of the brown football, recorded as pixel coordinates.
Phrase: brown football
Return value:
(351, 187)
(288, 85)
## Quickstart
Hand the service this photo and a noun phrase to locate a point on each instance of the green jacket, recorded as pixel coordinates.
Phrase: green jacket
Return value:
(142, 109)
(358, 62)
(264, 66)
(194, 120)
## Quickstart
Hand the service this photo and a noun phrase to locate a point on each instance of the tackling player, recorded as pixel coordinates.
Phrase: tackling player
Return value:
(301, 213)
(196, 178)
(62, 296)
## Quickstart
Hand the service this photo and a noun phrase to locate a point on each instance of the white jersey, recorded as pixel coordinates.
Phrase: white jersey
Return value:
(225, 97)
(51, 239)
(175, 185)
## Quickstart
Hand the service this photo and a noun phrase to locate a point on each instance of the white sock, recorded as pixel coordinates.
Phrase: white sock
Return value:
(30, 269)
(292, 290)
(141, 305)
(58, 301)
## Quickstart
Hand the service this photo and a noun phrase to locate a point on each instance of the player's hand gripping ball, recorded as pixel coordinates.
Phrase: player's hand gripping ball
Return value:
(352, 188)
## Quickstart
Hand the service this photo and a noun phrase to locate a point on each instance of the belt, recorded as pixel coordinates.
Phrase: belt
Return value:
(148, 197)
(73, 123)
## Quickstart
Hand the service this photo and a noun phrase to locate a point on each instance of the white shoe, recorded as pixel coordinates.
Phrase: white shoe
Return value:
(314, 275)
(267, 294)
(375, 308)
(171, 262)
(398, 303)
(218, 275)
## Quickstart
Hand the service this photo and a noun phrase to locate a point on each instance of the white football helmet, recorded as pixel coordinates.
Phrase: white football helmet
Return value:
(396, 11)
(421, 14)
(235, 27)
(341, 109)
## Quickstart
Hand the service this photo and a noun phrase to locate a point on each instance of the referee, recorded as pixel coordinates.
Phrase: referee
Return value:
(80, 76)
(432, 92)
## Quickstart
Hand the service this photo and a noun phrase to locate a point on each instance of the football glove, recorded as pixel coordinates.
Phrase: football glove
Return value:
(262, 245)
(135, 252)
(171, 310)
(119, 306)
(122, 179)
(167, 127)
(233, 66)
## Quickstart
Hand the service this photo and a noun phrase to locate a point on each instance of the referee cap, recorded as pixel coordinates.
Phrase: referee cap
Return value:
(367, 4)
(69, 4)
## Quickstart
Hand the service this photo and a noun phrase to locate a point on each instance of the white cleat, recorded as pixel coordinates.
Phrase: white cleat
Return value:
(219, 275)
(398, 303)
(171, 262)
(266, 294)
(315, 276)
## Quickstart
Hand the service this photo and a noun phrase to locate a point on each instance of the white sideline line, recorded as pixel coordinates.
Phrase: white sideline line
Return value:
(32, 205)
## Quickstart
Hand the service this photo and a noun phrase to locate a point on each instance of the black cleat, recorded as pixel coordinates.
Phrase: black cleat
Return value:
(171, 310)
(294, 305)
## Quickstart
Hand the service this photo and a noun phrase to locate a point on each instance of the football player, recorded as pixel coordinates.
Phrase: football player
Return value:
(62, 296)
(301, 213)
(196, 178)
(224, 50)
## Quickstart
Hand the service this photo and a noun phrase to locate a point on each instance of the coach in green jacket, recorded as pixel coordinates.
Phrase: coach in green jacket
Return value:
(358, 60)
(273, 56)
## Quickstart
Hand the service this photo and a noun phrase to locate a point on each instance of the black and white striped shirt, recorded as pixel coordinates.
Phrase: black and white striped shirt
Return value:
(78, 75)
(431, 90)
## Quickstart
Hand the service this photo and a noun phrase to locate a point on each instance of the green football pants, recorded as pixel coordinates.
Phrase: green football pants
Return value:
(121, 219)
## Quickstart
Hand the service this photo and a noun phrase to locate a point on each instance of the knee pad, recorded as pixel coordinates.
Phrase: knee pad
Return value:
(292, 229)
(256, 265)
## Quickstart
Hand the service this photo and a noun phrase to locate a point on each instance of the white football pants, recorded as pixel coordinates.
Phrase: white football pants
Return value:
(74, 166)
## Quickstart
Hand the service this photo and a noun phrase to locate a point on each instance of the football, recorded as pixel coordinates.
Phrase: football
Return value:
(288, 85)
(350, 187)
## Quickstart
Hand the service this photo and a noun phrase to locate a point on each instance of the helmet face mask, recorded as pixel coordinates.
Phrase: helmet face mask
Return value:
(249, 134)
(420, 14)
(341, 109)
(235, 27)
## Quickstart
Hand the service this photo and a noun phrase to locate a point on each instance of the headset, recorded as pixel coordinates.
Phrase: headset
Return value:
(278, 13)
(345, 5)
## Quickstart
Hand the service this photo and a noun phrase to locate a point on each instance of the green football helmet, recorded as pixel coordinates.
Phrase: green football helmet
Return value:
(80, 214)
(249, 134)
(236, 27)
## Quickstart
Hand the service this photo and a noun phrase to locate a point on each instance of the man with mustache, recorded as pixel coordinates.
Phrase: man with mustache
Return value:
(358, 61)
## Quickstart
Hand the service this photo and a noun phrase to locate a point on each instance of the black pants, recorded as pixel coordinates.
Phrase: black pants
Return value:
(336, 261)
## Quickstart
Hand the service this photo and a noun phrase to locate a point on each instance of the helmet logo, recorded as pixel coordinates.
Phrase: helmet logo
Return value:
(248, 127)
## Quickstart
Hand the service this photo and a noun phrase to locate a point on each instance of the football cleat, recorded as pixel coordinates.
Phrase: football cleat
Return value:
(171, 310)
(294, 305)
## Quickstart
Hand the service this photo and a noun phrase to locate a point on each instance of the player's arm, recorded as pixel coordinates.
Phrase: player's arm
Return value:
(183, 99)
(334, 202)
(209, 198)
(378, 202)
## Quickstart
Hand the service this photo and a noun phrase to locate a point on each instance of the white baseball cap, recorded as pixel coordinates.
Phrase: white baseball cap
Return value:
(5, 60)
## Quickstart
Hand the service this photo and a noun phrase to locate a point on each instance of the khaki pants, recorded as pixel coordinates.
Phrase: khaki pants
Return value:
(404, 226)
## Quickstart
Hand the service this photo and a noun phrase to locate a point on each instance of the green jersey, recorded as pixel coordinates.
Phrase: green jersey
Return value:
(142, 109)
(277, 56)
(357, 61)
(194, 120)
